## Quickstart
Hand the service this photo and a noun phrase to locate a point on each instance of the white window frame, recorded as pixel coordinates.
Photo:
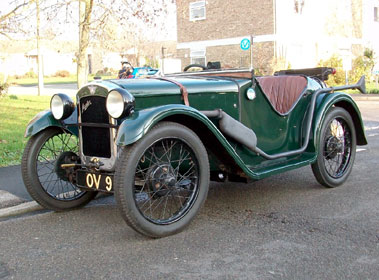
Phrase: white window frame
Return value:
(198, 53)
(196, 6)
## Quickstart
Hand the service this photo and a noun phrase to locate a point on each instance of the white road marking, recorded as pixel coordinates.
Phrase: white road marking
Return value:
(375, 134)
(372, 128)
(361, 150)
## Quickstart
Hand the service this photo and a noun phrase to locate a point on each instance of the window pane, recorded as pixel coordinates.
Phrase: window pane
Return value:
(198, 60)
(197, 10)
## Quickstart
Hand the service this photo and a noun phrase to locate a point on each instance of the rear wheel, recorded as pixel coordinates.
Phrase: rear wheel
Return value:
(45, 180)
(162, 180)
(336, 151)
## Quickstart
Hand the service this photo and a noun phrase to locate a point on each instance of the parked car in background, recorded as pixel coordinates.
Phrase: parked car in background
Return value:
(130, 72)
(157, 142)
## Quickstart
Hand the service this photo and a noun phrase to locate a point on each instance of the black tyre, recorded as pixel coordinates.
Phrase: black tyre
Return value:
(336, 152)
(46, 182)
(162, 180)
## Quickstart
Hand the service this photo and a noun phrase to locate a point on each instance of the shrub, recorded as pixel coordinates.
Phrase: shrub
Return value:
(113, 71)
(30, 74)
(3, 89)
(99, 73)
(105, 72)
(336, 62)
(362, 65)
(62, 73)
(152, 62)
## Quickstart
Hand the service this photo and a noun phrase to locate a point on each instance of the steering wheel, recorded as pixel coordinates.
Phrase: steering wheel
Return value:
(193, 66)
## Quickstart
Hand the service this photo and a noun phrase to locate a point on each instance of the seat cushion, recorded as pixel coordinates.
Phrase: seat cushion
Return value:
(282, 91)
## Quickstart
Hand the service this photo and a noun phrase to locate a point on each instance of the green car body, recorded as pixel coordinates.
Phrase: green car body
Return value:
(159, 100)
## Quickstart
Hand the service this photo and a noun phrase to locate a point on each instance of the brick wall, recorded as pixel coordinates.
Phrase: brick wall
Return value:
(231, 56)
(254, 17)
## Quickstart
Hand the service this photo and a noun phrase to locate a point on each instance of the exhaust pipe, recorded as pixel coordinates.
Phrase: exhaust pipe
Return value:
(234, 129)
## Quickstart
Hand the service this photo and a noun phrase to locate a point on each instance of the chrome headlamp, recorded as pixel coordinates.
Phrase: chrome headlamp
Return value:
(120, 103)
(61, 106)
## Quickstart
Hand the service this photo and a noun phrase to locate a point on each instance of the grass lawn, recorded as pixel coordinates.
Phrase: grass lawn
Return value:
(372, 88)
(15, 113)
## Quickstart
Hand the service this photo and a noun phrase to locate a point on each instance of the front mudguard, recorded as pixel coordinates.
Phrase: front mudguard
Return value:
(338, 99)
(46, 119)
(135, 127)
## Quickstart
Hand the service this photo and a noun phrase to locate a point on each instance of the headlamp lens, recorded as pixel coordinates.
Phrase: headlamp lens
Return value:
(57, 106)
(115, 104)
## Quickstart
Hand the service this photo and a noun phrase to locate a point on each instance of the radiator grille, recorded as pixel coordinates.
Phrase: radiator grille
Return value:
(95, 140)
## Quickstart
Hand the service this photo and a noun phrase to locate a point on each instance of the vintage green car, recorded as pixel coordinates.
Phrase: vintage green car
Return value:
(157, 142)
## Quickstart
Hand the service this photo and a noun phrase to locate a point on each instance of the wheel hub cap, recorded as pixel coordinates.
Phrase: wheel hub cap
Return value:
(64, 158)
(162, 179)
(334, 146)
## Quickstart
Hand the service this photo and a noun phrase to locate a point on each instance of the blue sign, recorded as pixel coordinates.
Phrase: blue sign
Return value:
(245, 44)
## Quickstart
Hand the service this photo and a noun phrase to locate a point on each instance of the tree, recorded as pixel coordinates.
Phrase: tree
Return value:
(94, 14)
(91, 17)
(9, 21)
(85, 11)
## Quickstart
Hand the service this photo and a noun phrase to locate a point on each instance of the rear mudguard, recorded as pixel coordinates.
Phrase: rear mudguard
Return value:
(46, 119)
(337, 99)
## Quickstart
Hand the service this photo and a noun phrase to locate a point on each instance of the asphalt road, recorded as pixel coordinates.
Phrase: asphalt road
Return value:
(48, 89)
(282, 227)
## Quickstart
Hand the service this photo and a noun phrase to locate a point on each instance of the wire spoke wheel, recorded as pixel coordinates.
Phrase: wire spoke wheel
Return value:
(162, 180)
(336, 149)
(46, 181)
(166, 181)
(51, 176)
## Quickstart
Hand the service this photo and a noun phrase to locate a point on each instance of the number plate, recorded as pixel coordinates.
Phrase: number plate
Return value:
(95, 181)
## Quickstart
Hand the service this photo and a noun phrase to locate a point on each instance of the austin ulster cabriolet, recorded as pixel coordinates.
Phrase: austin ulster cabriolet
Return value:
(156, 143)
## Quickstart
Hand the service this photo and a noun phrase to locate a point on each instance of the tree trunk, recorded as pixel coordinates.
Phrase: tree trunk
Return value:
(39, 56)
(85, 9)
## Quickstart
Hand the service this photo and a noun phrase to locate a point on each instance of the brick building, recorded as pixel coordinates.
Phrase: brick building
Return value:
(296, 32)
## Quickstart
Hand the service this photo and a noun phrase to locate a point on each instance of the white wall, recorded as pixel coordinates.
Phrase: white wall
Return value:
(20, 63)
(171, 65)
(371, 28)
(323, 28)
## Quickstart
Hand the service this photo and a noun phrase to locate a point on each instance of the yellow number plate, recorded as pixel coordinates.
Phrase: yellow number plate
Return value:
(95, 181)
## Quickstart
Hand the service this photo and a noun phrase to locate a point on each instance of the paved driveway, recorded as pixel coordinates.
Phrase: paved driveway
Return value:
(283, 227)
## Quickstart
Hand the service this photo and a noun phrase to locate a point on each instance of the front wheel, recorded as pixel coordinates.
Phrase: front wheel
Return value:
(45, 180)
(162, 180)
(336, 149)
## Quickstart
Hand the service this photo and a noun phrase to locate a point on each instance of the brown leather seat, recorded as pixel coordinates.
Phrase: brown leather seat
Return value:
(282, 91)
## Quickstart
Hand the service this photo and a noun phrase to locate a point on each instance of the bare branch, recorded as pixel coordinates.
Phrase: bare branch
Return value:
(13, 12)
